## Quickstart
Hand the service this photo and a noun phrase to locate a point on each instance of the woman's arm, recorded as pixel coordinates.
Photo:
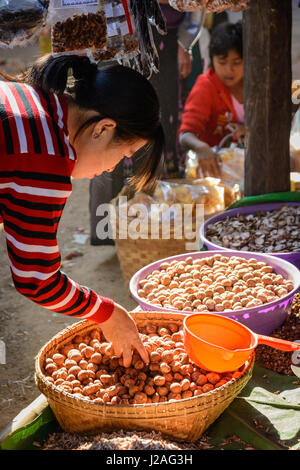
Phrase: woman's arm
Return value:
(31, 206)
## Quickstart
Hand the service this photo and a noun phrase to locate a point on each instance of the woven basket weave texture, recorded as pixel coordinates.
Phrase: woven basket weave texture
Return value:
(183, 420)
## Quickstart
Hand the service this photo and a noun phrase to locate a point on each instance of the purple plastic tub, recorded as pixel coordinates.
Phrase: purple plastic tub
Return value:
(292, 257)
(263, 319)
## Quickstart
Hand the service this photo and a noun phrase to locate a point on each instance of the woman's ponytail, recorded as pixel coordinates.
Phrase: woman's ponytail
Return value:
(51, 73)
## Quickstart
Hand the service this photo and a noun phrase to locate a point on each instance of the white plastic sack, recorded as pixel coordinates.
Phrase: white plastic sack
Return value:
(295, 143)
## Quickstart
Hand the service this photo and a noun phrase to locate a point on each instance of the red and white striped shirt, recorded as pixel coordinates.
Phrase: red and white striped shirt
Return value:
(36, 161)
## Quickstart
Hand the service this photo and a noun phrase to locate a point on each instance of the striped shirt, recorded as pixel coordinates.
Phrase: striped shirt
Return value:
(36, 162)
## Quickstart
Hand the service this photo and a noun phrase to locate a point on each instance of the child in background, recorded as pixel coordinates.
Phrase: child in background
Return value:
(215, 103)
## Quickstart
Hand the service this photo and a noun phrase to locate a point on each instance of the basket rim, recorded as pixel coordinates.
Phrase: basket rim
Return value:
(253, 209)
(40, 376)
(285, 265)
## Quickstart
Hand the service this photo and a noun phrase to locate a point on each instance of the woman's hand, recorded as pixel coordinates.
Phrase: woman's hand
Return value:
(184, 62)
(121, 330)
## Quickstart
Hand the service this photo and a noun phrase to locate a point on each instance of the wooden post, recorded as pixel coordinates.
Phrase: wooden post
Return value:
(267, 28)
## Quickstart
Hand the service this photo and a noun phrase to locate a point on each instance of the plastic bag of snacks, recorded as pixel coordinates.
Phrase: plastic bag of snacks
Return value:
(21, 21)
(108, 29)
(295, 143)
(210, 5)
(122, 42)
(221, 5)
(147, 13)
(188, 5)
(168, 199)
(114, 39)
(127, 29)
(77, 26)
(232, 165)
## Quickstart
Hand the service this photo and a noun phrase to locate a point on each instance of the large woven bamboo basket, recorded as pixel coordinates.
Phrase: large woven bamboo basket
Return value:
(134, 254)
(183, 420)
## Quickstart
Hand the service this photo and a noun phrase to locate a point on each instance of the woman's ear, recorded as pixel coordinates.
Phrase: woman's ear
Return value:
(105, 125)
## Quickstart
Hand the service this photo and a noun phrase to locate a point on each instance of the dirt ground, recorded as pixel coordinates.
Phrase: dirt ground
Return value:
(26, 327)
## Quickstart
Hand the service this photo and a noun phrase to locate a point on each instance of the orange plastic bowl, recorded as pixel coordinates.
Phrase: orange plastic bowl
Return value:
(216, 343)
(220, 344)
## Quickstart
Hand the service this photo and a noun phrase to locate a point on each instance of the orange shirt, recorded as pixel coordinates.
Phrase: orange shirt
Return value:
(208, 109)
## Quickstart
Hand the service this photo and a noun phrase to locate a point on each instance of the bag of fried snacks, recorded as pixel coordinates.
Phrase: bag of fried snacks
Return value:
(77, 26)
(21, 21)
(122, 42)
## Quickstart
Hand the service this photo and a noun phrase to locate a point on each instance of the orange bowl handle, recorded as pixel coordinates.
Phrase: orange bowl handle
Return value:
(277, 343)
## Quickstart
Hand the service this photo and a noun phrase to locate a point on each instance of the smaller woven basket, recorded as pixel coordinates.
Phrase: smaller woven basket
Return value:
(183, 420)
(135, 254)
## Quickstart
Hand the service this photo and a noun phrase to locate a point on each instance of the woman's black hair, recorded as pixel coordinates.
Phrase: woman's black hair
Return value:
(115, 92)
(225, 37)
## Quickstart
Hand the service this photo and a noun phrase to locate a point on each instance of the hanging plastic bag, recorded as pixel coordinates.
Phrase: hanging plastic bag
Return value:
(21, 21)
(113, 11)
(127, 29)
(122, 41)
(190, 30)
(295, 143)
(218, 6)
(232, 165)
(188, 5)
(77, 26)
(210, 5)
(147, 13)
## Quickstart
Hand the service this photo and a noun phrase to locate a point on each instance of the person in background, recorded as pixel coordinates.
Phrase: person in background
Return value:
(48, 133)
(214, 107)
(175, 66)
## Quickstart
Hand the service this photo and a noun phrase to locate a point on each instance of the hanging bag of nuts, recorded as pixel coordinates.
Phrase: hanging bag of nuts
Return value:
(77, 26)
(210, 5)
(122, 41)
(21, 21)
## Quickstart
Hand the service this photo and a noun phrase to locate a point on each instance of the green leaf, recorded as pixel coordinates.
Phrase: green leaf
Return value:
(38, 430)
(260, 417)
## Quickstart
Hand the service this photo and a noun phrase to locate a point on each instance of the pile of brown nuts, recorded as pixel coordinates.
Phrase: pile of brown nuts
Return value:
(213, 283)
(88, 368)
(281, 361)
(274, 231)
(120, 440)
(80, 32)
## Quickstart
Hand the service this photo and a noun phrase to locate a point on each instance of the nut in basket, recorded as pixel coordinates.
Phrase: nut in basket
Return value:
(170, 395)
